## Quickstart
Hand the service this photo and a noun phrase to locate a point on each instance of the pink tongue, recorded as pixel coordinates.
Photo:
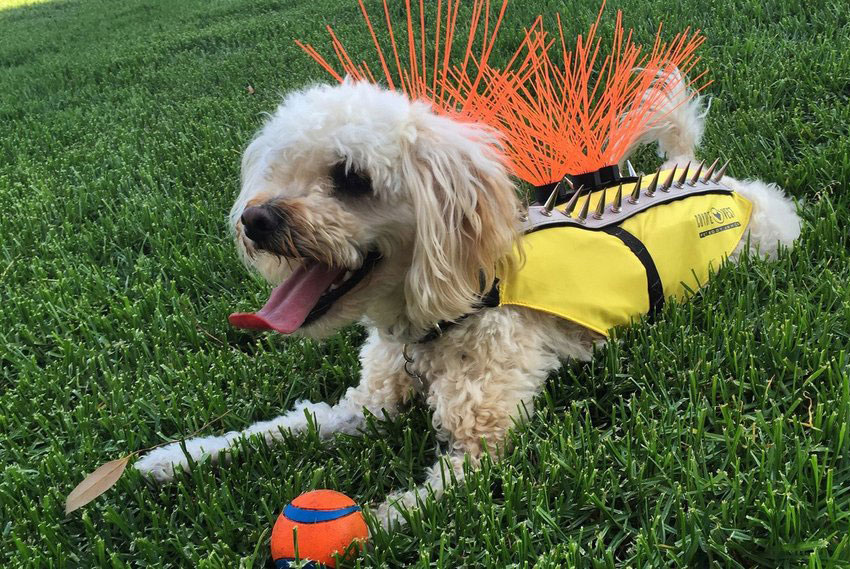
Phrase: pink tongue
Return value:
(291, 301)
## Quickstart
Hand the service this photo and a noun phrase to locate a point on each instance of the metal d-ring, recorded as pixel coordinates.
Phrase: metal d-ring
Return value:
(408, 359)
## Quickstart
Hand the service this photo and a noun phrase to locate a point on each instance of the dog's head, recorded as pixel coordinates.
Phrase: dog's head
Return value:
(357, 202)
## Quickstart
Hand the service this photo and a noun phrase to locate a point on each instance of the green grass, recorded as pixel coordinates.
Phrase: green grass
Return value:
(717, 437)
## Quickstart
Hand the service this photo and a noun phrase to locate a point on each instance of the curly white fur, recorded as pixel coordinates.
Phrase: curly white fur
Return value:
(443, 215)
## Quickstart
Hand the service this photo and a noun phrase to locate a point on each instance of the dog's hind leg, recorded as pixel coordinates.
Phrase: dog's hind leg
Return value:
(383, 387)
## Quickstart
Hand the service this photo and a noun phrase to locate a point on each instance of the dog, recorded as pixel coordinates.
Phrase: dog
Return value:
(361, 205)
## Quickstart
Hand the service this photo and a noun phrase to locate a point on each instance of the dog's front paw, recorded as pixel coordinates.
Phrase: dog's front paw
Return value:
(391, 514)
(163, 463)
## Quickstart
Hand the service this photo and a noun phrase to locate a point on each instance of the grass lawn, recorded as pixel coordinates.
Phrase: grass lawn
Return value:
(715, 438)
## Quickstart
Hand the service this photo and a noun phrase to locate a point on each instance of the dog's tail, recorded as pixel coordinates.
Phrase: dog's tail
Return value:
(680, 120)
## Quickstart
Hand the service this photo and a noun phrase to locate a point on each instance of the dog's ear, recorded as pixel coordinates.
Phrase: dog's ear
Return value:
(466, 218)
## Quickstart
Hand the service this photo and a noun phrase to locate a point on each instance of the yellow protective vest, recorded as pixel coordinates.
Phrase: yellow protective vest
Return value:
(604, 274)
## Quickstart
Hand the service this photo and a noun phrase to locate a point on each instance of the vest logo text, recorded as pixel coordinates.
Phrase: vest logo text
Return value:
(714, 216)
(715, 220)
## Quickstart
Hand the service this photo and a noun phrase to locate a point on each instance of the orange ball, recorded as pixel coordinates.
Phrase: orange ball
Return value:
(324, 521)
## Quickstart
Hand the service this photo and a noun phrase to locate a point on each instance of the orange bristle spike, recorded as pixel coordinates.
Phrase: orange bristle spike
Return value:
(412, 75)
(574, 118)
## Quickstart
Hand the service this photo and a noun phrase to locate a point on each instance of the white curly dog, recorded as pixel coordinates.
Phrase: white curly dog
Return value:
(360, 205)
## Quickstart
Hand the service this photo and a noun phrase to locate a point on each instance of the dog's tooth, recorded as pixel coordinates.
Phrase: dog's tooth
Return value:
(600, 207)
(721, 172)
(571, 205)
(653, 184)
(635, 196)
(665, 186)
(631, 169)
(617, 206)
(582, 215)
(695, 177)
(684, 176)
(550, 201)
(707, 176)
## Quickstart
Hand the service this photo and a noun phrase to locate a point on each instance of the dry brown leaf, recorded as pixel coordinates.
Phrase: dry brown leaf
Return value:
(96, 484)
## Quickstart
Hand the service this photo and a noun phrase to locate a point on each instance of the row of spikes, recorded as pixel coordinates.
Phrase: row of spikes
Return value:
(671, 182)
(555, 119)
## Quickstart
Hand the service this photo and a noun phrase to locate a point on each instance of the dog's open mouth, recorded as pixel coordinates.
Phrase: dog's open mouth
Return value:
(306, 295)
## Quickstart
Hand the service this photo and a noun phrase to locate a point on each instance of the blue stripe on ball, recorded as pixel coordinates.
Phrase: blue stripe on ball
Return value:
(303, 516)
(284, 564)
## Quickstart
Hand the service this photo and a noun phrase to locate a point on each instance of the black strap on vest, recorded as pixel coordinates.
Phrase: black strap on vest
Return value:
(654, 286)
(606, 177)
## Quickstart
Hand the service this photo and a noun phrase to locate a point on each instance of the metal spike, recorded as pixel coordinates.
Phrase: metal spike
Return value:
(631, 168)
(617, 206)
(550, 201)
(721, 172)
(600, 207)
(684, 176)
(710, 171)
(571, 205)
(695, 177)
(582, 216)
(635, 196)
(665, 186)
(569, 183)
(639, 185)
(650, 190)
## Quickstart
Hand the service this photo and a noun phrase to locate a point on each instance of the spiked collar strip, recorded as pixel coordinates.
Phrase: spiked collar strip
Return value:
(676, 184)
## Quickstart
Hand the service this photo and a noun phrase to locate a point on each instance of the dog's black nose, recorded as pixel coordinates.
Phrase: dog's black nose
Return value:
(259, 223)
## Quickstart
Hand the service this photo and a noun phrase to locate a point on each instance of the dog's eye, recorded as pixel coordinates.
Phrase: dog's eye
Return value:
(351, 183)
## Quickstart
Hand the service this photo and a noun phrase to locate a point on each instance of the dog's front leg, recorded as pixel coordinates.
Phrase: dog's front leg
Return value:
(448, 469)
(473, 429)
(383, 387)
(480, 384)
